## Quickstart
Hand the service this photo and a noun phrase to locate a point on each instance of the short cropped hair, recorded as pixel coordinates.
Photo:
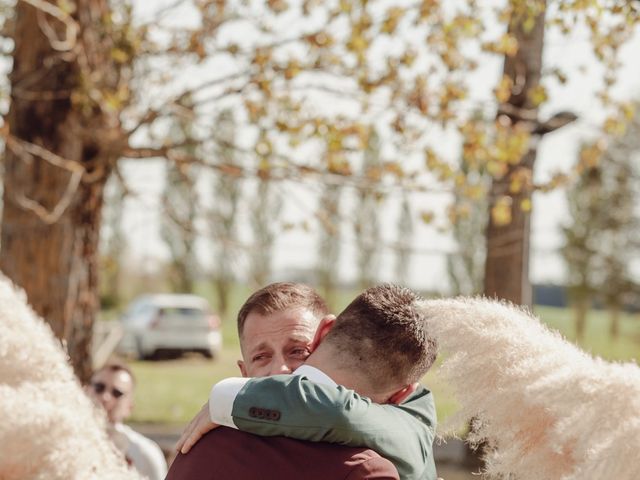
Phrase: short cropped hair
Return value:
(281, 296)
(383, 334)
(116, 367)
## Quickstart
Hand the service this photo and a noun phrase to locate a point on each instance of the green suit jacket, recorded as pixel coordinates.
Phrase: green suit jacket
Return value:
(293, 406)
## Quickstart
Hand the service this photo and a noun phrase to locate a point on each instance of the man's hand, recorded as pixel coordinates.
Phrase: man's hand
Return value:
(200, 425)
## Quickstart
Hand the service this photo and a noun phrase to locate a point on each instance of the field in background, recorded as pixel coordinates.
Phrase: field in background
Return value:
(172, 391)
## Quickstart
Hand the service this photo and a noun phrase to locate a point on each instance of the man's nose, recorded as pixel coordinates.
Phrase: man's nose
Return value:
(106, 396)
(280, 368)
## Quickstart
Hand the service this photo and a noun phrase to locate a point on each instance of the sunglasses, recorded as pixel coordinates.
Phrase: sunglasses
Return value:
(100, 387)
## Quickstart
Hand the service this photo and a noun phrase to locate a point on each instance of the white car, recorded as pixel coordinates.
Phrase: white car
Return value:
(170, 323)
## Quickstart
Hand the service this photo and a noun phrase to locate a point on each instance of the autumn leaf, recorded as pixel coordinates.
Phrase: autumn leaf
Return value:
(615, 126)
(277, 6)
(292, 69)
(501, 211)
(67, 6)
(394, 168)
(504, 88)
(590, 156)
(506, 45)
(338, 163)
(520, 180)
(392, 19)
(119, 55)
(538, 95)
(427, 217)
(628, 110)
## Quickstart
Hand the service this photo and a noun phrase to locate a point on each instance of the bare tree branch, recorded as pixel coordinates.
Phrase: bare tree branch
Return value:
(123, 182)
(51, 9)
(26, 151)
(20, 147)
(52, 216)
(153, 114)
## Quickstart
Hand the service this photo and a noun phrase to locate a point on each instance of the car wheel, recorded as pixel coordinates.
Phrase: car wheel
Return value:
(142, 355)
(207, 354)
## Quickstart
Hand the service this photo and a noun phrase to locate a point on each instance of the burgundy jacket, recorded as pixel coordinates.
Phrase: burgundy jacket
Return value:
(228, 454)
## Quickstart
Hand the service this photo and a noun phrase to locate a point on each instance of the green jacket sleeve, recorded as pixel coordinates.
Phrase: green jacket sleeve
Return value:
(305, 410)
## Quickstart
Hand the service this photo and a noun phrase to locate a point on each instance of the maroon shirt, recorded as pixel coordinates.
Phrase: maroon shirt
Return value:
(228, 454)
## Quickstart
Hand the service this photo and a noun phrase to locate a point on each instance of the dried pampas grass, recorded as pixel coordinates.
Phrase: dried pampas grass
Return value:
(547, 409)
(49, 429)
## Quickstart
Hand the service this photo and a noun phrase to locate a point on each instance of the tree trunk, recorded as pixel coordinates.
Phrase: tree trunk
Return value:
(507, 263)
(581, 308)
(614, 319)
(223, 290)
(56, 263)
(506, 271)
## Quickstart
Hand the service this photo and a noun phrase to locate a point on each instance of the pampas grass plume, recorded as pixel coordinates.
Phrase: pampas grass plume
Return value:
(50, 430)
(546, 409)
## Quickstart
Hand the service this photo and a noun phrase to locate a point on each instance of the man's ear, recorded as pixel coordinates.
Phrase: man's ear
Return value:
(401, 395)
(243, 369)
(325, 325)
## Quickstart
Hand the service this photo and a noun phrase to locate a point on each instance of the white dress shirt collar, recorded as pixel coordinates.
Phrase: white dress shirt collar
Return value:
(315, 375)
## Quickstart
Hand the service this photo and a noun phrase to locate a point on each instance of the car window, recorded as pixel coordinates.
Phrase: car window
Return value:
(137, 307)
(182, 312)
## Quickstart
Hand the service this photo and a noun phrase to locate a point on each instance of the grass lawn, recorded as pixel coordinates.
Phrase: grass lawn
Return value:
(172, 391)
(597, 340)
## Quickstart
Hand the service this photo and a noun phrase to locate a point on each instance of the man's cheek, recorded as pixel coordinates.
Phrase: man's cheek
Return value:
(257, 371)
(295, 363)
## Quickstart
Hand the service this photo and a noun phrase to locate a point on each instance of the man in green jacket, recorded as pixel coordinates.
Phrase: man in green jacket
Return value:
(377, 347)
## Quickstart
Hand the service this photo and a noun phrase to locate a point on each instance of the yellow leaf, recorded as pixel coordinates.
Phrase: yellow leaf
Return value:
(357, 43)
(538, 95)
(525, 205)
(628, 110)
(264, 165)
(119, 55)
(496, 169)
(111, 101)
(501, 211)
(346, 6)
(590, 156)
(390, 23)
(431, 159)
(67, 6)
(394, 168)
(408, 58)
(292, 69)
(504, 88)
(337, 163)
(529, 24)
(427, 217)
(506, 45)
(615, 126)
